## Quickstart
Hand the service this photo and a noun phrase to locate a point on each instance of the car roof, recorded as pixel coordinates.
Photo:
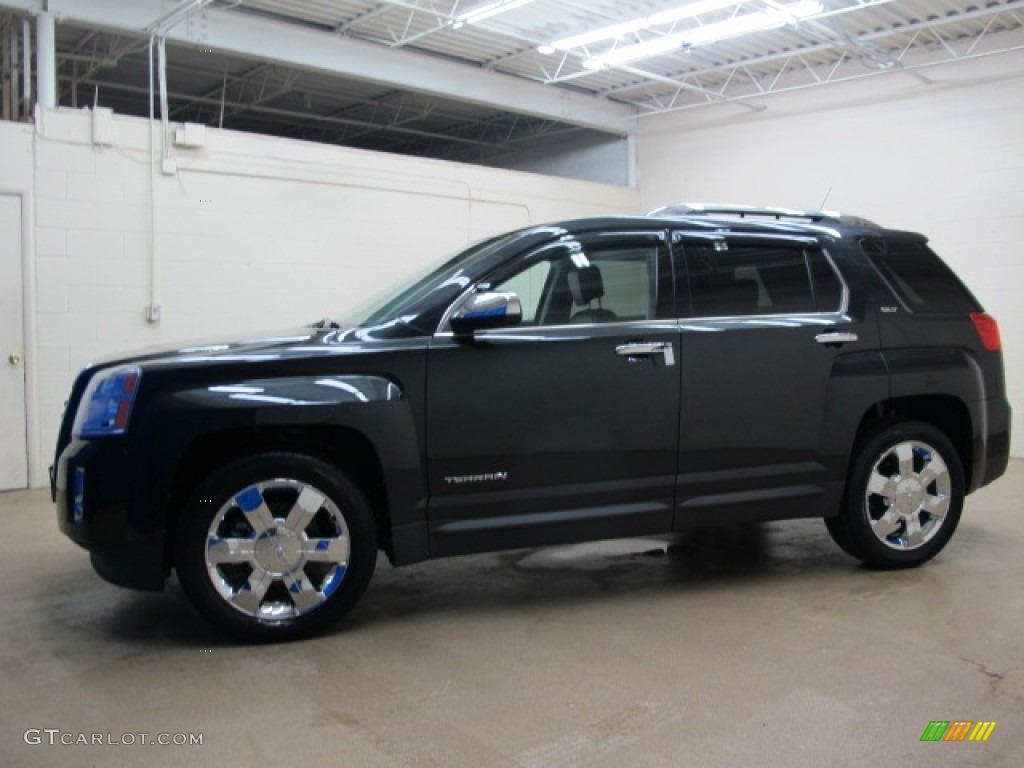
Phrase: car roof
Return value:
(738, 219)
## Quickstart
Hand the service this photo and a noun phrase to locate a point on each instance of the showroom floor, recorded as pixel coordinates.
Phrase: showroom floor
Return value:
(758, 646)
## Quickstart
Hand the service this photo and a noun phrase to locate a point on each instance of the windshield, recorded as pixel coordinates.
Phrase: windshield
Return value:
(406, 300)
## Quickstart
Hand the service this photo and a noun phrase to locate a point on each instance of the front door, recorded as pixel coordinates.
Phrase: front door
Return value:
(13, 445)
(564, 428)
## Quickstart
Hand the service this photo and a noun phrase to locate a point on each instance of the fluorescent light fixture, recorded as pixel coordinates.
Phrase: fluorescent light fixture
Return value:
(633, 52)
(687, 11)
(486, 11)
(709, 33)
(753, 22)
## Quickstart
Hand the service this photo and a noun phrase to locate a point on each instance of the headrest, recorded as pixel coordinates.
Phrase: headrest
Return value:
(586, 285)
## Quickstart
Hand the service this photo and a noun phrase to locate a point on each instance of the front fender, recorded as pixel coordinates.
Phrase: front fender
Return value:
(255, 410)
(271, 394)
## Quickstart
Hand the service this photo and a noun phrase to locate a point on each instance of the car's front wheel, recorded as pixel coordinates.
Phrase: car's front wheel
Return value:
(275, 546)
(904, 498)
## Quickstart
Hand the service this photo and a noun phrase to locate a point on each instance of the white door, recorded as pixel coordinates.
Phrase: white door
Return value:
(13, 445)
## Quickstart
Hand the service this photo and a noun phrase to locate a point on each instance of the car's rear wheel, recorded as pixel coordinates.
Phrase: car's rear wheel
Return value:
(904, 498)
(275, 546)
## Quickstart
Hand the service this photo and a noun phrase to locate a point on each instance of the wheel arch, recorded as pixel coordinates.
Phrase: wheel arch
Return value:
(947, 413)
(345, 448)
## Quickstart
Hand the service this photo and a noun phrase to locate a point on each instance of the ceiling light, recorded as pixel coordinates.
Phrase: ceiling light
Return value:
(687, 11)
(485, 11)
(753, 22)
(708, 33)
(633, 52)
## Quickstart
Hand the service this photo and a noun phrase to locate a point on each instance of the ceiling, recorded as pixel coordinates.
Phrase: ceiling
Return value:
(409, 78)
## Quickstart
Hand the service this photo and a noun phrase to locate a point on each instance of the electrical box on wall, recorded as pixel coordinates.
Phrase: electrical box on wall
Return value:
(102, 126)
(190, 135)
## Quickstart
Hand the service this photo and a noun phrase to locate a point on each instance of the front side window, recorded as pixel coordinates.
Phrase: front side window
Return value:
(528, 285)
(574, 283)
(729, 280)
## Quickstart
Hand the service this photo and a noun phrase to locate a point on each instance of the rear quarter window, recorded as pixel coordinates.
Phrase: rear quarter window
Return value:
(919, 277)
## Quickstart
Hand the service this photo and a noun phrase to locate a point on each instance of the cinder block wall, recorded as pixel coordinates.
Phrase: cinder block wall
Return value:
(945, 159)
(247, 234)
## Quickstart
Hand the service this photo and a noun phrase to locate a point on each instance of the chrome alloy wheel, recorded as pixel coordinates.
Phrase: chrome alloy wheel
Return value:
(277, 549)
(908, 494)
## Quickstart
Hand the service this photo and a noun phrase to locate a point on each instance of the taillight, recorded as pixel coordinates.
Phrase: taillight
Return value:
(988, 331)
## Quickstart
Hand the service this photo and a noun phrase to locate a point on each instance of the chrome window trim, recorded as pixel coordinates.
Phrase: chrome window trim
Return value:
(812, 318)
(679, 322)
(844, 299)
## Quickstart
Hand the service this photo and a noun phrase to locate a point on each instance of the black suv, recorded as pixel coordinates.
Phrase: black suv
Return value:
(580, 380)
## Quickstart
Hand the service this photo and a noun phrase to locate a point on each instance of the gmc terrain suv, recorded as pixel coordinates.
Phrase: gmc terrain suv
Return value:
(581, 380)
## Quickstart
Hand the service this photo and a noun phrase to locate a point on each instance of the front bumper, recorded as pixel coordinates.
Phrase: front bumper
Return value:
(93, 490)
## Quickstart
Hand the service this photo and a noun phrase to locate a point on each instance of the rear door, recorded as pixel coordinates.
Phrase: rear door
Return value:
(770, 342)
(564, 428)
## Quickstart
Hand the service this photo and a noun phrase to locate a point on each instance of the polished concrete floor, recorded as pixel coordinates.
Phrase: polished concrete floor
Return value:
(759, 646)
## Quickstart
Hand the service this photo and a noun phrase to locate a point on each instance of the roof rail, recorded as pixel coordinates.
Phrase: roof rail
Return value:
(755, 212)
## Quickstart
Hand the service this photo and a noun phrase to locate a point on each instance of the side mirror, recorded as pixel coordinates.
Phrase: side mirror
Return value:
(487, 310)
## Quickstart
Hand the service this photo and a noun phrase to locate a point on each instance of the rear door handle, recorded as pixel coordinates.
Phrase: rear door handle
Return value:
(635, 350)
(835, 337)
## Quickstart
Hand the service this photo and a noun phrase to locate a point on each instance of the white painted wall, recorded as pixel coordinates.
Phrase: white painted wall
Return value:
(577, 155)
(946, 159)
(254, 232)
(251, 233)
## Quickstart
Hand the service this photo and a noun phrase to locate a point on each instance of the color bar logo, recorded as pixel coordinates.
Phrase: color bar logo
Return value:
(958, 730)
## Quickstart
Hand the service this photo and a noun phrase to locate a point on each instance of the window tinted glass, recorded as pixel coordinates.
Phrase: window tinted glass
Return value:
(828, 290)
(919, 277)
(628, 277)
(576, 284)
(728, 280)
(529, 286)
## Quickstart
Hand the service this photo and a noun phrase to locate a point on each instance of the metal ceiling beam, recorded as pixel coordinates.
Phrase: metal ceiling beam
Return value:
(737, 74)
(262, 110)
(812, 80)
(313, 49)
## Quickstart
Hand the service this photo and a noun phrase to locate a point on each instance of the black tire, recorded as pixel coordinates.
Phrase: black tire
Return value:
(837, 529)
(903, 498)
(262, 566)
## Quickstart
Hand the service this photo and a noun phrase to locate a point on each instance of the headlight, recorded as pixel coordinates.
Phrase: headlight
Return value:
(107, 403)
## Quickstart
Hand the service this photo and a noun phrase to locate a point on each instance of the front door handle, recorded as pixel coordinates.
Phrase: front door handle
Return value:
(635, 350)
(835, 337)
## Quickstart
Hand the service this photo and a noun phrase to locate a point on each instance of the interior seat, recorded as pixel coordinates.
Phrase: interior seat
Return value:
(587, 286)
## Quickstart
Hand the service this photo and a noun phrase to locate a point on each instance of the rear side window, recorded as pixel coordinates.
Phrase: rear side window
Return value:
(919, 277)
(729, 280)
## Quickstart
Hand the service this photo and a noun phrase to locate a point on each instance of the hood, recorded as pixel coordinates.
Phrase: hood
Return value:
(248, 347)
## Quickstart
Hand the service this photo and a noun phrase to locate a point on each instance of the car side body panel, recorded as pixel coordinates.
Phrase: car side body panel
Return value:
(560, 431)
